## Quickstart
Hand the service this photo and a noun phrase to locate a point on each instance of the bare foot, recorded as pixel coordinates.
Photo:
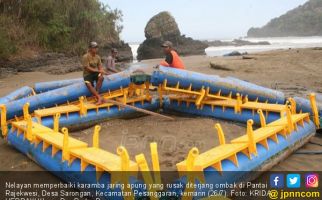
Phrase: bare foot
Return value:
(100, 101)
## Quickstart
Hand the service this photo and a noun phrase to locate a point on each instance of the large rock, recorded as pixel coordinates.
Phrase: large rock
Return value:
(124, 51)
(162, 24)
(162, 27)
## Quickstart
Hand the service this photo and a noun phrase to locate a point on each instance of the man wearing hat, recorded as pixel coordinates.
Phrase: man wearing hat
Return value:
(93, 71)
(172, 59)
(110, 61)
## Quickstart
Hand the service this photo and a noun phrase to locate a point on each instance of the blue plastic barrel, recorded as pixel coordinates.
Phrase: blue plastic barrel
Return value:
(62, 95)
(17, 94)
(305, 104)
(215, 83)
(51, 85)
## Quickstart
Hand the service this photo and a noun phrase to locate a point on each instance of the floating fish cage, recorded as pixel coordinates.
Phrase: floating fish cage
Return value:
(31, 119)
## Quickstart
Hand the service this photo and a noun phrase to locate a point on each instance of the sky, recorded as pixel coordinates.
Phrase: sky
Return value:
(201, 19)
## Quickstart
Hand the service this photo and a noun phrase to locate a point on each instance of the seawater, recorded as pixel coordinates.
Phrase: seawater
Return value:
(276, 43)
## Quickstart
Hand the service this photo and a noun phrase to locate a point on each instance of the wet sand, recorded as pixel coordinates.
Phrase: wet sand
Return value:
(295, 72)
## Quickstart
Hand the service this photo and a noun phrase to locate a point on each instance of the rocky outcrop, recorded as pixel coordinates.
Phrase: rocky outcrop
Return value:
(235, 53)
(60, 63)
(124, 51)
(53, 63)
(305, 20)
(162, 27)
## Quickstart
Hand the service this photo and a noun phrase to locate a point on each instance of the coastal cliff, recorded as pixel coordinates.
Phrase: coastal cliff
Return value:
(305, 20)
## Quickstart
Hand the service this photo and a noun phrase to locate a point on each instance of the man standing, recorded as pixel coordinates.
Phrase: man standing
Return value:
(172, 59)
(110, 61)
(93, 71)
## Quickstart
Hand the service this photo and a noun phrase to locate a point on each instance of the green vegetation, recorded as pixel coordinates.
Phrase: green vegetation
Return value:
(56, 25)
(306, 20)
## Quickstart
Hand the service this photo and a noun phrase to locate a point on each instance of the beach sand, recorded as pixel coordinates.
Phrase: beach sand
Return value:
(296, 72)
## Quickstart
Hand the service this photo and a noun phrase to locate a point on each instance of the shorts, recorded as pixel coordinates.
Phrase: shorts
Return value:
(92, 77)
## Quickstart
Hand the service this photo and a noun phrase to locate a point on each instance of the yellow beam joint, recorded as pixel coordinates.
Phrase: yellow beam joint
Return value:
(219, 93)
(192, 172)
(125, 159)
(25, 110)
(230, 94)
(293, 105)
(251, 141)
(201, 97)
(190, 87)
(314, 110)
(218, 167)
(84, 164)
(274, 138)
(82, 107)
(65, 152)
(215, 96)
(33, 92)
(264, 143)
(234, 159)
(29, 128)
(238, 103)
(4, 127)
(290, 124)
(147, 90)
(45, 145)
(155, 162)
(96, 142)
(261, 117)
(193, 154)
(54, 150)
(160, 94)
(125, 165)
(143, 165)
(178, 85)
(125, 94)
(246, 99)
(147, 177)
(56, 122)
(164, 84)
(221, 134)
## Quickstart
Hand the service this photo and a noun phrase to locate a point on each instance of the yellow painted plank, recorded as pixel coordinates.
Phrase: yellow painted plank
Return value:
(260, 134)
(113, 94)
(75, 108)
(232, 103)
(283, 121)
(56, 139)
(102, 159)
(216, 154)
(35, 126)
(228, 102)
(94, 106)
(58, 109)
(183, 91)
(133, 99)
(263, 106)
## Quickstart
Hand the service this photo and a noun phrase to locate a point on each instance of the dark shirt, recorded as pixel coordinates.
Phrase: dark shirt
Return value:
(169, 58)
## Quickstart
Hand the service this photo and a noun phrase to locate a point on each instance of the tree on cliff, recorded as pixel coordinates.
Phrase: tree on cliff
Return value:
(305, 20)
(56, 25)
